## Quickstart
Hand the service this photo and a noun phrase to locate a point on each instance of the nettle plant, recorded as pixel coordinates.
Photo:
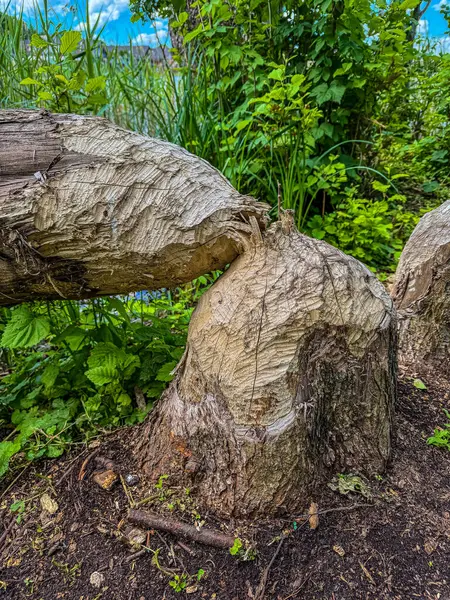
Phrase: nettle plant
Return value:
(76, 368)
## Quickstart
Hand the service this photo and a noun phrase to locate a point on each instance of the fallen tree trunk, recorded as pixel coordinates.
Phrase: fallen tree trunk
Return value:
(422, 292)
(289, 377)
(88, 208)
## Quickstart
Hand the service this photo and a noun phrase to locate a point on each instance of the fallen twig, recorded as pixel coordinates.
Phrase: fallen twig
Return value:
(135, 555)
(127, 492)
(261, 589)
(186, 548)
(208, 537)
(15, 479)
(82, 473)
(7, 530)
(329, 510)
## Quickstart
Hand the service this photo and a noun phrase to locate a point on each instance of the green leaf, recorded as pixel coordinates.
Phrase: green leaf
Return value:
(74, 336)
(50, 375)
(165, 372)
(38, 42)
(45, 95)
(70, 41)
(193, 34)
(407, 4)
(96, 83)
(336, 91)
(102, 375)
(419, 384)
(17, 506)
(107, 354)
(24, 329)
(7, 450)
(182, 18)
(277, 74)
(380, 187)
(430, 186)
(30, 81)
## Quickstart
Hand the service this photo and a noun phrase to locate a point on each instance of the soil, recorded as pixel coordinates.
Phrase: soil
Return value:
(394, 544)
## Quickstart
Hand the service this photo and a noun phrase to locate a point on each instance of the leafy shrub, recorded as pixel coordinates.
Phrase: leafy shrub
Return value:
(373, 231)
(77, 368)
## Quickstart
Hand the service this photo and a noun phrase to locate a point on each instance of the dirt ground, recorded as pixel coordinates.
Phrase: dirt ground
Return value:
(393, 544)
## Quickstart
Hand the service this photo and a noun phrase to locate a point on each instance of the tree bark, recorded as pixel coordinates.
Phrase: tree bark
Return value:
(288, 378)
(88, 208)
(422, 292)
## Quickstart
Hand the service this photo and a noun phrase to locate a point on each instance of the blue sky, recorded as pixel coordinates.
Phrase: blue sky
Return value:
(115, 15)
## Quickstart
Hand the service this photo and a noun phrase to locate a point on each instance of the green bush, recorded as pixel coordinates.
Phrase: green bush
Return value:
(75, 369)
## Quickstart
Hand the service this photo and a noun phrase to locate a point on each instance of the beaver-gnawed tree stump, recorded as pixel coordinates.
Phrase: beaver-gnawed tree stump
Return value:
(289, 372)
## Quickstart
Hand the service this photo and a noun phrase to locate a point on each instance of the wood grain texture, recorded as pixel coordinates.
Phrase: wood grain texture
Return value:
(88, 208)
(422, 292)
(289, 377)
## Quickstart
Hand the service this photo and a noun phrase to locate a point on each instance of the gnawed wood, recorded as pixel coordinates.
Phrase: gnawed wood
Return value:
(88, 208)
(422, 292)
(289, 377)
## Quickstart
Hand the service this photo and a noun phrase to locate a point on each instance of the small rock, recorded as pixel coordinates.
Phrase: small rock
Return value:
(135, 536)
(48, 504)
(106, 480)
(191, 589)
(97, 579)
(131, 479)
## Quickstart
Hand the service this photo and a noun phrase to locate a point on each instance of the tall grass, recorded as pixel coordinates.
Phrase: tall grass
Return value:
(174, 103)
(181, 104)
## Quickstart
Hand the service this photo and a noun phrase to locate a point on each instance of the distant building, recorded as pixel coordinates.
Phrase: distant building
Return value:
(159, 56)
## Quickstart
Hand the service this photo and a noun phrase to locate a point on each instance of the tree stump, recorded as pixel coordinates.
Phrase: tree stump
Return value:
(288, 377)
(422, 293)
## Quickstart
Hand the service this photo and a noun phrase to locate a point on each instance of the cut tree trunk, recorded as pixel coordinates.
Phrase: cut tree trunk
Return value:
(422, 292)
(88, 208)
(288, 378)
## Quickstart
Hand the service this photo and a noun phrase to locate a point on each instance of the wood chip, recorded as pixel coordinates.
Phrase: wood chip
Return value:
(430, 546)
(313, 515)
(48, 504)
(106, 479)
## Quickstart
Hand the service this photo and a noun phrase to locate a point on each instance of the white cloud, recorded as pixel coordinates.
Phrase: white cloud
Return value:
(423, 27)
(159, 24)
(27, 6)
(158, 38)
(443, 44)
(440, 5)
(103, 12)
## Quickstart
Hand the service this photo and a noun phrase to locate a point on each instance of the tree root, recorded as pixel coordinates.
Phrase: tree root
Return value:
(209, 537)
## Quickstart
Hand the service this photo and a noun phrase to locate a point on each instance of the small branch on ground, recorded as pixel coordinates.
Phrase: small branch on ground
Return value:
(209, 537)
(7, 530)
(82, 473)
